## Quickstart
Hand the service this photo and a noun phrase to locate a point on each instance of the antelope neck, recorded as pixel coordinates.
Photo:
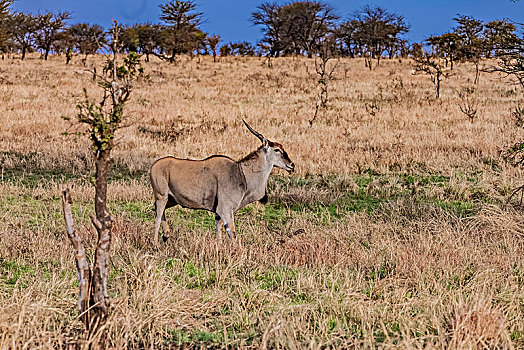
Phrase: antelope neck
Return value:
(256, 171)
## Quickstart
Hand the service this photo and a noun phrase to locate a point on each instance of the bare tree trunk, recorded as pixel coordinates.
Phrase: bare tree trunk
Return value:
(477, 72)
(93, 299)
(103, 224)
(82, 266)
(69, 55)
(437, 84)
(368, 61)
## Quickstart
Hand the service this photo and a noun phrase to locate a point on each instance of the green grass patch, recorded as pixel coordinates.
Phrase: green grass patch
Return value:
(199, 338)
(190, 275)
(279, 278)
(190, 218)
(459, 208)
(16, 274)
(369, 190)
(139, 210)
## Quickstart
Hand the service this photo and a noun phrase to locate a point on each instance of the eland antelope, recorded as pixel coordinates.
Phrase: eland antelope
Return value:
(217, 184)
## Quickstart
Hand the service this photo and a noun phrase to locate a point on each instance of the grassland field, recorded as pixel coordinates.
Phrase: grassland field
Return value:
(392, 233)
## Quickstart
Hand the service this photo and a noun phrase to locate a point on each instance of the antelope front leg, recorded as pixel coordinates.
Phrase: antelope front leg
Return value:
(160, 205)
(231, 231)
(229, 224)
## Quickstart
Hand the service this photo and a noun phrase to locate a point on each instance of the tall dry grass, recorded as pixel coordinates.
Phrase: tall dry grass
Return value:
(393, 232)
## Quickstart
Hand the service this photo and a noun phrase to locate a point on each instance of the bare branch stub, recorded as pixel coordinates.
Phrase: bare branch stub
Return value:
(93, 298)
(82, 266)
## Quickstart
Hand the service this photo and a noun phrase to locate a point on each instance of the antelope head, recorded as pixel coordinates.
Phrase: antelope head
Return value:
(274, 152)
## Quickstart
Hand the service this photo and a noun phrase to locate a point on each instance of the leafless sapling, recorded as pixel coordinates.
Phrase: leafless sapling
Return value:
(469, 103)
(101, 121)
(432, 66)
(212, 42)
(326, 52)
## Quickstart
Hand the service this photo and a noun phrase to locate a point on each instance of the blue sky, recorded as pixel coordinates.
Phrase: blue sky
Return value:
(230, 18)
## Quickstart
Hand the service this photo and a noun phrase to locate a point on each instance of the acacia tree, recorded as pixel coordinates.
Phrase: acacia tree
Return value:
(417, 50)
(101, 121)
(447, 46)
(143, 38)
(347, 32)
(87, 38)
(148, 38)
(23, 26)
(499, 34)
(295, 28)
(378, 31)
(213, 41)
(371, 32)
(225, 50)
(4, 23)
(64, 43)
(307, 23)
(511, 65)
(182, 23)
(472, 44)
(511, 62)
(243, 48)
(49, 27)
(267, 15)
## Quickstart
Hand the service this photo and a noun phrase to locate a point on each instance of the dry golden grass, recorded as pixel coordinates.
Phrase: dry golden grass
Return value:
(392, 233)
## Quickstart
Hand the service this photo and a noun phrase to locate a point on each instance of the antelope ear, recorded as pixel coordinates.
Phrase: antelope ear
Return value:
(265, 144)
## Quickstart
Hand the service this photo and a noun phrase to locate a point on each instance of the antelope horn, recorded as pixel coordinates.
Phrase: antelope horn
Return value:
(260, 136)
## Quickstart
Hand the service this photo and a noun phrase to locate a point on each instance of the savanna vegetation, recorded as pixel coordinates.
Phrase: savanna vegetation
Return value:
(394, 231)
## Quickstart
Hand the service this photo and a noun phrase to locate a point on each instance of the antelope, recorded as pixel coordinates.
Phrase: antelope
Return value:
(217, 184)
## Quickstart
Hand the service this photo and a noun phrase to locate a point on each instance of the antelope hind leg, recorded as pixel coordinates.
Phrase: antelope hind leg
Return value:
(218, 223)
(165, 227)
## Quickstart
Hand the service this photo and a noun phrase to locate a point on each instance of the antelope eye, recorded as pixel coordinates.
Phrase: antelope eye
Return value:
(277, 150)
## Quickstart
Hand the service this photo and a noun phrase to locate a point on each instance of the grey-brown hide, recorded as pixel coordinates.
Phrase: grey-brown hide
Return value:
(217, 184)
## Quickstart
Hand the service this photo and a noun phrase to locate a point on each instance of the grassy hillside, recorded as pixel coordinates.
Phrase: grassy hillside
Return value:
(392, 232)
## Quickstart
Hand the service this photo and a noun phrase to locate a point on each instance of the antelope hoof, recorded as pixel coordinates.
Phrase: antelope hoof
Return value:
(165, 238)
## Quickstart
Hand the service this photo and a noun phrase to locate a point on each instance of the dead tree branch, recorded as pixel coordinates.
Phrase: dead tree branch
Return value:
(327, 51)
(514, 193)
(82, 266)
